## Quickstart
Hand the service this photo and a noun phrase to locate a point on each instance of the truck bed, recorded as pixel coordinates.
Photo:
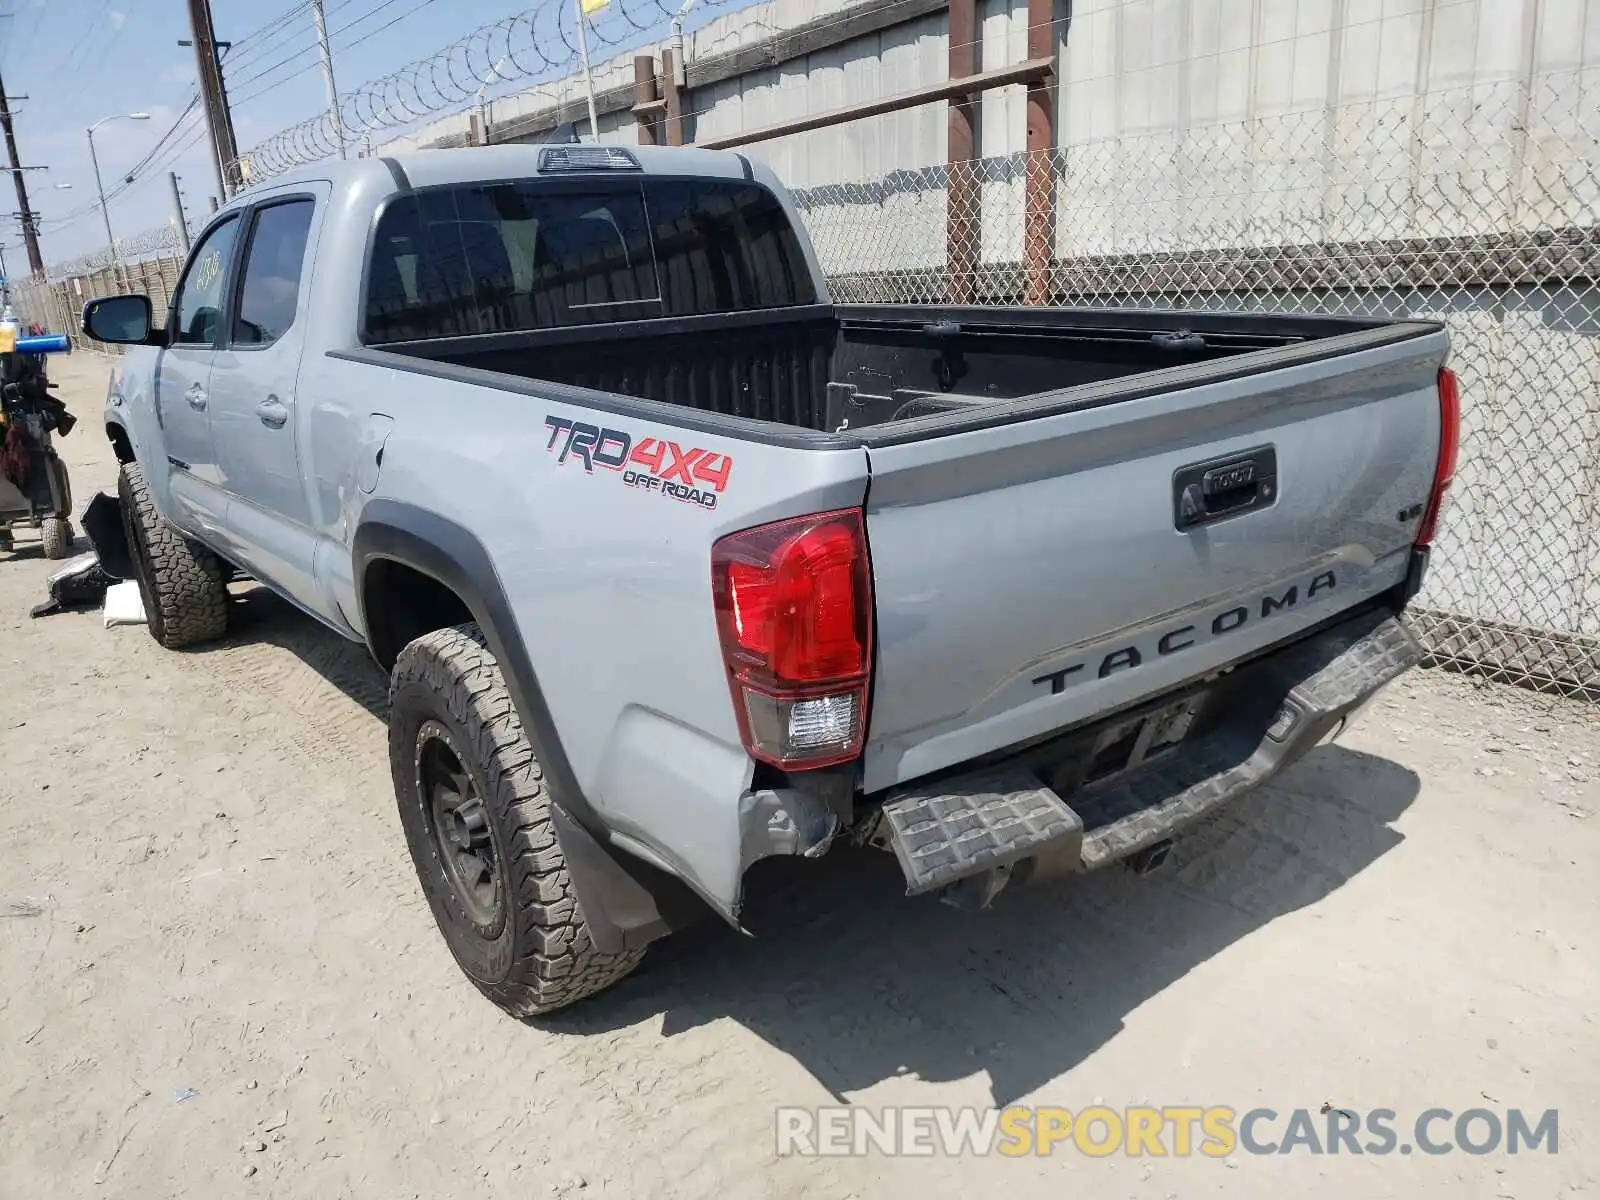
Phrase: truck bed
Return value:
(825, 368)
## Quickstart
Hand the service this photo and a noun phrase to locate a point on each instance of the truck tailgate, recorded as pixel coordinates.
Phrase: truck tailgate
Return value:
(1043, 570)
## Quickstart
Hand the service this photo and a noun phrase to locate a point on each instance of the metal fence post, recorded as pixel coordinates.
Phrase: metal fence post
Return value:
(962, 212)
(1039, 211)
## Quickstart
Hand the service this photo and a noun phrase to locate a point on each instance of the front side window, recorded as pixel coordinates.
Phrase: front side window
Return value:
(199, 306)
(491, 258)
(269, 289)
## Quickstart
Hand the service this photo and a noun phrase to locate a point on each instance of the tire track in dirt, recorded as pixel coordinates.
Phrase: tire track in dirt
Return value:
(330, 685)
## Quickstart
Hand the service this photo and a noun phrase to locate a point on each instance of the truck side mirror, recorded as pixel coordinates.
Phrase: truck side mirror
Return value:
(120, 320)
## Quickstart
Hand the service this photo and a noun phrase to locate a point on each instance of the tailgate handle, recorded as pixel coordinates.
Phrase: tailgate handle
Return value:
(1224, 487)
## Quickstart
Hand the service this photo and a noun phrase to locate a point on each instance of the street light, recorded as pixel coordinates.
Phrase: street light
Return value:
(99, 187)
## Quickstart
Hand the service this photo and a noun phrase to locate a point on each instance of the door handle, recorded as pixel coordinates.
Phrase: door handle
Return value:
(272, 413)
(196, 396)
(1224, 487)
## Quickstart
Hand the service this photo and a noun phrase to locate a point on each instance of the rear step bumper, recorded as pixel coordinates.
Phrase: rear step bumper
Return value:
(1005, 820)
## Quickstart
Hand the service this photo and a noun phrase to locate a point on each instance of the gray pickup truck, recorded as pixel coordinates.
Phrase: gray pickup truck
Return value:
(677, 565)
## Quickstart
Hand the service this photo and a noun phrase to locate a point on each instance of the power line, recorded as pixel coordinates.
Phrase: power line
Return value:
(277, 22)
(81, 43)
(93, 63)
(374, 32)
(175, 152)
(311, 49)
(261, 42)
(136, 173)
(189, 110)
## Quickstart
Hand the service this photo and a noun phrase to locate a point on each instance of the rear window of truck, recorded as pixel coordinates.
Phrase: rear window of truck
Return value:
(518, 255)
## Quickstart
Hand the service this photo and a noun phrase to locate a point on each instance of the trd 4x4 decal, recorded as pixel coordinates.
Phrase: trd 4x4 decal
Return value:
(691, 475)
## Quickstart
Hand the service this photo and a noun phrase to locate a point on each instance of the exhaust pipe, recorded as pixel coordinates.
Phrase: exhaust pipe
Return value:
(1150, 859)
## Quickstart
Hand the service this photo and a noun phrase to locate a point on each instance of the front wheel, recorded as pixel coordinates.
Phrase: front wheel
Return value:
(184, 586)
(475, 806)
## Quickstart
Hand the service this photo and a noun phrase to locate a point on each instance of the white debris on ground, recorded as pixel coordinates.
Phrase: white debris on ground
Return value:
(124, 605)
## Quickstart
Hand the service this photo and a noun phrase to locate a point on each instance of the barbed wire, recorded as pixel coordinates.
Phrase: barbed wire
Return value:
(539, 42)
(144, 244)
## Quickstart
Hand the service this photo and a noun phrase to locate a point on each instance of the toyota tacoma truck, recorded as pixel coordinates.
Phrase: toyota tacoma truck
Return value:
(675, 564)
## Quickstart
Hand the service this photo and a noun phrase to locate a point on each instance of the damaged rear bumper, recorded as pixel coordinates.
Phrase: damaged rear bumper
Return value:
(1117, 789)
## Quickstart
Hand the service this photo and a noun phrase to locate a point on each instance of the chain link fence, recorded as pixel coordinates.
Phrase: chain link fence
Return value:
(1477, 207)
(56, 301)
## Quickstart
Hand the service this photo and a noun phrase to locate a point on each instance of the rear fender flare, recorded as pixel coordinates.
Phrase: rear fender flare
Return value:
(626, 902)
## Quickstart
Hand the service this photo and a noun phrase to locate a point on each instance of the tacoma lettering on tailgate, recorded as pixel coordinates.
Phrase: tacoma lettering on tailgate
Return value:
(1174, 641)
(690, 475)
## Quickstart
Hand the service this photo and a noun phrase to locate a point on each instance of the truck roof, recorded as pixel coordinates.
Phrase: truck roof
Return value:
(473, 164)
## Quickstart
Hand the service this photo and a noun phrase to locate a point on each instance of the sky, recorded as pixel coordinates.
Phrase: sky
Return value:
(80, 60)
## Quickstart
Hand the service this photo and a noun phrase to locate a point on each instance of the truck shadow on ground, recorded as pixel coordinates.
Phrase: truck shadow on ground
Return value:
(259, 616)
(860, 984)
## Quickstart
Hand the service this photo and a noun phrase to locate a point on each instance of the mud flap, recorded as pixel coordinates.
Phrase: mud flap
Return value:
(975, 824)
(625, 902)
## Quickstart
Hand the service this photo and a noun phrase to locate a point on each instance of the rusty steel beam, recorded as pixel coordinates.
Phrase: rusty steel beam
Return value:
(962, 211)
(673, 95)
(646, 102)
(1039, 211)
(973, 84)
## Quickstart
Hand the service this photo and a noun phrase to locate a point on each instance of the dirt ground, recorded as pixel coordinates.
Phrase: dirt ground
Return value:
(218, 975)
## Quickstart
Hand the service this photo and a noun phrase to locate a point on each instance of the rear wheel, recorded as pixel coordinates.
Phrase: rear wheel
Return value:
(57, 537)
(475, 805)
(183, 585)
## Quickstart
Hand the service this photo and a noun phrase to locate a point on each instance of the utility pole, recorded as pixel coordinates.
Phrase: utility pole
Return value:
(327, 73)
(30, 224)
(583, 58)
(220, 121)
(177, 213)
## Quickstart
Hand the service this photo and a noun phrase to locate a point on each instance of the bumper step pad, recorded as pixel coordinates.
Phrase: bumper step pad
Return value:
(956, 828)
(979, 823)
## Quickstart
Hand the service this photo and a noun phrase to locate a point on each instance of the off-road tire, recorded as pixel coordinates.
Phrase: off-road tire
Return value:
(535, 956)
(56, 535)
(184, 585)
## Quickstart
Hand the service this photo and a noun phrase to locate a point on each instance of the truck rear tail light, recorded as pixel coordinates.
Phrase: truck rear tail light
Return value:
(794, 614)
(1449, 451)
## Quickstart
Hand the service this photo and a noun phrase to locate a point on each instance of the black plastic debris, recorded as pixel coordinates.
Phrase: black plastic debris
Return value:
(78, 584)
(82, 582)
(102, 525)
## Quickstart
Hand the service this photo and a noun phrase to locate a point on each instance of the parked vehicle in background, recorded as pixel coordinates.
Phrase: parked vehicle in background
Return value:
(676, 565)
(35, 491)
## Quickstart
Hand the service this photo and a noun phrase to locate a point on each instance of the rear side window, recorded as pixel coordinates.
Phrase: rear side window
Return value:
(270, 288)
(504, 256)
(490, 258)
(724, 247)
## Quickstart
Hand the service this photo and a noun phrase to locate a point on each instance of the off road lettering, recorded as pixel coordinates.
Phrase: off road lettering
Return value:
(691, 475)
